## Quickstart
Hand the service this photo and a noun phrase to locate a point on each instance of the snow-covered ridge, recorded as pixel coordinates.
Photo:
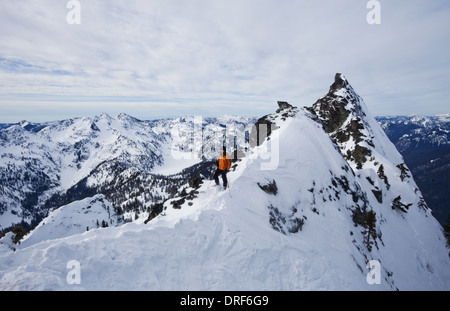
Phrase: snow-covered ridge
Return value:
(302, 224)
(75, 218)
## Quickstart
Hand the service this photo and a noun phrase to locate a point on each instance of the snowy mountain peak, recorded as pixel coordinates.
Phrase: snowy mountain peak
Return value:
(340, 82)
(345, 117)
(125, 117)
(340, 103)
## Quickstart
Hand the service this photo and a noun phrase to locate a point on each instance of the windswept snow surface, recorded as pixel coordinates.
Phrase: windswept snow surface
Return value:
(227, 240)
(74, 218)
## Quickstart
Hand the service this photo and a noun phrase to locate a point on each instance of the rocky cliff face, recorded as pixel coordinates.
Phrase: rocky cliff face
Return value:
(344, 116)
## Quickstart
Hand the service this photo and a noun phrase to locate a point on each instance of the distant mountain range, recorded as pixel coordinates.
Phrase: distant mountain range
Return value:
(134, 163)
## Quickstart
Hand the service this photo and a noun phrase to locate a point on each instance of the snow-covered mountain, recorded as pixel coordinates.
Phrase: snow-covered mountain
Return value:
(44, 166)
(416, 132)
(320, 200)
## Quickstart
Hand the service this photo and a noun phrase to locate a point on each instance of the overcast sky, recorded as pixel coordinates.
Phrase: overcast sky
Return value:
(166, 58)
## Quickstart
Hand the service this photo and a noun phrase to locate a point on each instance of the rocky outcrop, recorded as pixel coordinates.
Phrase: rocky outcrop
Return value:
(342, 116)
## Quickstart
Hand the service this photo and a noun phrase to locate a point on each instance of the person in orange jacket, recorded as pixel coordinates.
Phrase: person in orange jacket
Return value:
(223, 166)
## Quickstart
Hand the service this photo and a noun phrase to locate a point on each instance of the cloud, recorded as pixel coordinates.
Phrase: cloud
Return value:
(225, 56)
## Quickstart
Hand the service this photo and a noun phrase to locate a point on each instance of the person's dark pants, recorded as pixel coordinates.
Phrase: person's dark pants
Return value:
(224, 177)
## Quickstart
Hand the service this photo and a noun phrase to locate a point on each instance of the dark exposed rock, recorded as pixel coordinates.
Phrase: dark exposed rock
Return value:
(283, 105)
(399, 205)
(331, 108)
(195, 181)
(155, 211)
(270, 188)
(378, 195)
(383, 176)
(339, 83)
(177, 203)
(285, 223)
(342, 116)
(359, 155)
(403, 171)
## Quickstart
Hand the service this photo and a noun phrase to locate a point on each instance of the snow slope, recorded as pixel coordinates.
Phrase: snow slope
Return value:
(75, 218)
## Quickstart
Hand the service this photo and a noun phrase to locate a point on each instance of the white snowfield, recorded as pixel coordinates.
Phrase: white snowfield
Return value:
(227, 240)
